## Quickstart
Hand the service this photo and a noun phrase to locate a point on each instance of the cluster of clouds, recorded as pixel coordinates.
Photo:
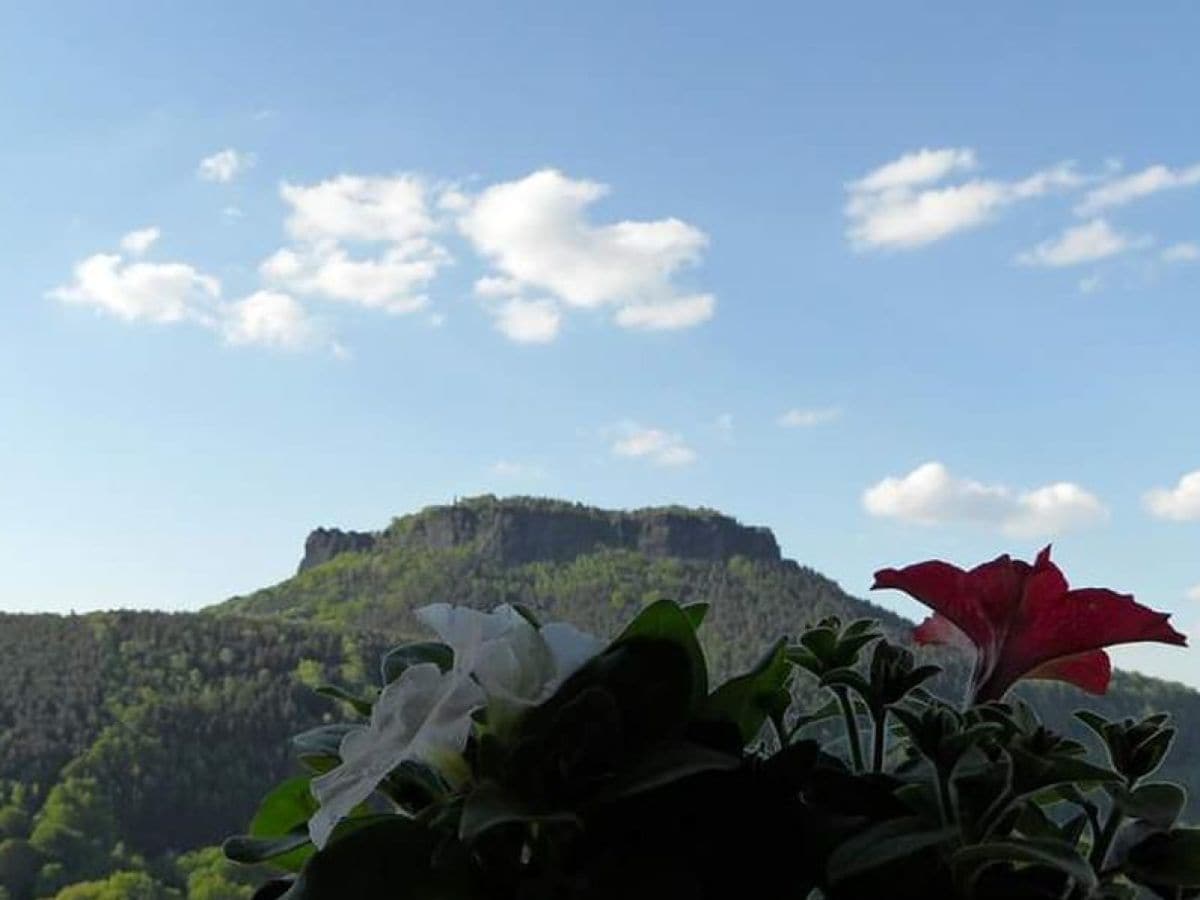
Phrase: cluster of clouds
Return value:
(380, 242)
(129, 288)
(932, 495)
(932, 194)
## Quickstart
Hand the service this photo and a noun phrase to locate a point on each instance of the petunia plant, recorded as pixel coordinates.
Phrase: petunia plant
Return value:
(505, 758)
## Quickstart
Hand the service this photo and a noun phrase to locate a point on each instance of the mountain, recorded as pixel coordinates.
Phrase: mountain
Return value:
(128, 738)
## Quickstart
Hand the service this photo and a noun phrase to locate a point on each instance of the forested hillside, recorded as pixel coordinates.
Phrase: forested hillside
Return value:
(596, 567)
(127, 740)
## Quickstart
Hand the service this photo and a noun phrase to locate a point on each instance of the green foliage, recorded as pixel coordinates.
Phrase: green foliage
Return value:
(623, 784)
(15, 822)
(183, 711)
(153, 713)
(120, 886)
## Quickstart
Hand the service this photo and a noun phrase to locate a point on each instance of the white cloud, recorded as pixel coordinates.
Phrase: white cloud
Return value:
(1091, 284)
(138, 242)
(224, 165)
(670, 315)
(920, 167)
(901, 206)
(807, 418)
(324, 217)
(508, 469)
(1180, 503)
(359, 208)
(536, 233)
(1194, 593)
(269, 319)
(1080, 244)
(232, 213)
(724, 423)
(142, 291)
(391, 282)
(659, 447)
(1141, 184)
(175, 292)
(528, 321)
(931, 495)
(1185, 251)
(1054, 509)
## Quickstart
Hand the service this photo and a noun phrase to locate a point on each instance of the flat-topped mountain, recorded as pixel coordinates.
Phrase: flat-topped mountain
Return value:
(111, 723)
(526, 530)
(595, 567)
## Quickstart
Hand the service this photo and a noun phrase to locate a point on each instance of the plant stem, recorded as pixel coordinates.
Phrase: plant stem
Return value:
(1104, 841)
(852, 736)
(943, 795)
(880, 741)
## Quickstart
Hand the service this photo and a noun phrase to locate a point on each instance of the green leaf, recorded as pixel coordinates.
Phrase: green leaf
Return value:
(396, 660)
(360, 706)
(665, 620)
(288, 851)
(320, 748)
(1049, 853)
(1167, 858)
(882, 844)
(1159, 803)
(664, 764)
(387, 856)
(279, 829)
(747, 699)
(288, 805)
(848, 678)
(696, 612)
(490, 806)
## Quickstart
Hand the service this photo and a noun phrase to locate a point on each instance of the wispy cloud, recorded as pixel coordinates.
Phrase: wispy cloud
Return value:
(509, 469)
(1080, 244)
(662, 448)
(528, 321)
(138, 242)
(807, 418)
(224, 165)
(931, 495)
(905, 204)
(1128, 188)
(1183, 252)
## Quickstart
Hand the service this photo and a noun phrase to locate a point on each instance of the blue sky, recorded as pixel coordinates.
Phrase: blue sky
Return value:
(897, 283)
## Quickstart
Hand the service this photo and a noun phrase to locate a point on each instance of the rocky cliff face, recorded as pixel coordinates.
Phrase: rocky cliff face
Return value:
(324, 544)
(520, 530)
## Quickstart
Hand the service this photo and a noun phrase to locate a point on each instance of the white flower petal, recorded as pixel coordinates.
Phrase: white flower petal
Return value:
(422, 714)
(465, 629)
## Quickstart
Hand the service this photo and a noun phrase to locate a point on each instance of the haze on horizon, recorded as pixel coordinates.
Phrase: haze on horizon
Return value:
(926, 288)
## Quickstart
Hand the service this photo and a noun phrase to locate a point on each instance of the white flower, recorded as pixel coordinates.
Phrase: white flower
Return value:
(422, 715)
(516, 664)
(499, 659)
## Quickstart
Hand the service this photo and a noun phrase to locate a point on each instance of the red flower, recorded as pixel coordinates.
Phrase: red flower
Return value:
(1025, 622)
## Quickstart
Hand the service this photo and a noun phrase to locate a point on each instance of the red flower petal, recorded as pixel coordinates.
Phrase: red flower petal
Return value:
(945, 589)
(1054, 624)
(1091, 671)
(937, 629)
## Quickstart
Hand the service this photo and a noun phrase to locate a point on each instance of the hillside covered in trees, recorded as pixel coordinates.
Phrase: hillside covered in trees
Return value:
(127, 739)
(131, 743)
